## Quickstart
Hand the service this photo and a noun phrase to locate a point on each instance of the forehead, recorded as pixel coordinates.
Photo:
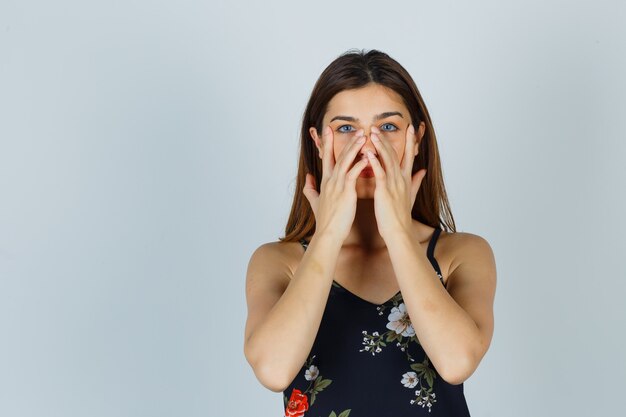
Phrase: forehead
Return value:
(369, 100)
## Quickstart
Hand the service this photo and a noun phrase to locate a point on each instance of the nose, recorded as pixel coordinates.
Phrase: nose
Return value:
(367, 146)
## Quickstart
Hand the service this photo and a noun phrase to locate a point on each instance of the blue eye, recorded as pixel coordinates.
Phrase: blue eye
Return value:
(394, 128)
(344, 131)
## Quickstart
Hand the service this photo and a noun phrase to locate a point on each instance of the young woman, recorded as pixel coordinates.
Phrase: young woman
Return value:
(372, 304)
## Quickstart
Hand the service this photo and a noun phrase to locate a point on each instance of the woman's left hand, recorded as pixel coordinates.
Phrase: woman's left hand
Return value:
(396, 189)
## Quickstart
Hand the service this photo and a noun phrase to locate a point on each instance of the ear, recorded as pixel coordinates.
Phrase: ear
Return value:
(317, 140)
(420, 134)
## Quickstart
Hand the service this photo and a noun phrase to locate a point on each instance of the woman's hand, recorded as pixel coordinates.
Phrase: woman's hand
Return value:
(334, 206)
(396, 189)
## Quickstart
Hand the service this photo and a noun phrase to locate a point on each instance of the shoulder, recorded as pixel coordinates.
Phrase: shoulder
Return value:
(467, 249)
(465, 239)
(276, 255)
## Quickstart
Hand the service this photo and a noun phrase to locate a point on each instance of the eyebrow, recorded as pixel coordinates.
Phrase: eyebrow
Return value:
(377, 117)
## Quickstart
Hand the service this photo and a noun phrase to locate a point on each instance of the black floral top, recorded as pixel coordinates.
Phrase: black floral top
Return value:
(367, 361)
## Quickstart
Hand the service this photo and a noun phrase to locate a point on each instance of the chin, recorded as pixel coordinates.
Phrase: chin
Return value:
(365, 193)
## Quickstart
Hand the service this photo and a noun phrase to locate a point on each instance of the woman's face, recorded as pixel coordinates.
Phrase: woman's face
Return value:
(373, 105)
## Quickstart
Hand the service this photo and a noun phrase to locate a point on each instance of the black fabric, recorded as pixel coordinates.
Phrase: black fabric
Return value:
(366, 361)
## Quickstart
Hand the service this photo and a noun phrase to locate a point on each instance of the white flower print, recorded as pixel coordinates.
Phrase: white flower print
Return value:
(401, 332)
(400, 322)
(409, 379)
(311, 373)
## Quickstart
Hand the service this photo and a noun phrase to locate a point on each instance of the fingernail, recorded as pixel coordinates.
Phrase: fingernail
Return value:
(375, 129)
(374, 137)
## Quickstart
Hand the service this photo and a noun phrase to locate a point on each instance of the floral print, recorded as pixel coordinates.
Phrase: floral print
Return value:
(409, 379)
(391, 330)
(399, 321)
(401, 329)
(298, 404)
(424, 401)
(425, 395)
(311, 373)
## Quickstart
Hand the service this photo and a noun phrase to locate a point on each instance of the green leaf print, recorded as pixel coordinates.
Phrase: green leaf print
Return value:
(319, 386)
(429, 379)
(425, 396)
(316, 385)
(419, 367)
(391, 336)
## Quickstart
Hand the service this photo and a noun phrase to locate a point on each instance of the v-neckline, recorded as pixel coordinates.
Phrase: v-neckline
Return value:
(429, 248)
(363, 299)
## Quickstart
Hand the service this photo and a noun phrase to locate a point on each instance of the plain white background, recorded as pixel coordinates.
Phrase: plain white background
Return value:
(147, 148)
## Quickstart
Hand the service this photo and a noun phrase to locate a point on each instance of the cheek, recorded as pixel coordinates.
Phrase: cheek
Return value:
(398, 146)
(338, 149)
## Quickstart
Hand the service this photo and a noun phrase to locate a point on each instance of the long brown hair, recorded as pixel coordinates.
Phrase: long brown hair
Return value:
(355, 69)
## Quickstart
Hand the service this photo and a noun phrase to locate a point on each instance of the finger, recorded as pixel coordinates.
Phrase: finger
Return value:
(328, 162)
(385, 152)
(310, 192)
(379, 172)
(349, 152)
(310, 184)
(355, 171)
(416, 182)
(409, 155)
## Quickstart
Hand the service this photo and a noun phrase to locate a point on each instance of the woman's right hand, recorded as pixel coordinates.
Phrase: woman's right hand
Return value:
(334, 206)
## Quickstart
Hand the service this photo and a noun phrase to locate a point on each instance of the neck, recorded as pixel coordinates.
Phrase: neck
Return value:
(364, 233)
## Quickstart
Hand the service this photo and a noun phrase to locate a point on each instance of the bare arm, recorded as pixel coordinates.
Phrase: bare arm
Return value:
(284, 314)
(455, 327)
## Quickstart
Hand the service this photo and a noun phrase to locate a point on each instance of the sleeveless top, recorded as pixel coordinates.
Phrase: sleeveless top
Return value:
(367, 361)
